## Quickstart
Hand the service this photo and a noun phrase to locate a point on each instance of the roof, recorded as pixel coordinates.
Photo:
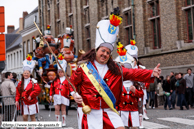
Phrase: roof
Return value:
(14, 32)
(9, 38)
(15, 43)
(29, 19)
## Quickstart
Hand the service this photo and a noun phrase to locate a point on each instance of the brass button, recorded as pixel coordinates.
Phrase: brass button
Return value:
(123, 102)
(132, 103)
(123, 94)
(94, 95)
(106, 79)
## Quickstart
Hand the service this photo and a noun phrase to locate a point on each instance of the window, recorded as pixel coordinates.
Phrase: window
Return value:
(58, 10)
(59, 27)
(21, 59)
(8, 62)
(86, 2)
(28, 46)
(128, 26)
(106, 6)
(71, 20)
(189, 2)
(87, 15)
(129, 2)
(18, 59)
(189, 17)
(70, 6)
(49, 17)
(24, 50)
(155, 21)
(88, 38)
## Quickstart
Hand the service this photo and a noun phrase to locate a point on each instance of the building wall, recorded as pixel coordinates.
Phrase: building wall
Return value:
(14, 61)
(175, 50)
(27, 37)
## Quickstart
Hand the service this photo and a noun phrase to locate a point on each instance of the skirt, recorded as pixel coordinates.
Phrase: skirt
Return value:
(99, 119)
(58, 100)
(30, 109)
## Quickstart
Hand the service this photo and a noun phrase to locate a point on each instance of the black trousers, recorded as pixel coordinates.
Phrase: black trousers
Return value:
(189, 94)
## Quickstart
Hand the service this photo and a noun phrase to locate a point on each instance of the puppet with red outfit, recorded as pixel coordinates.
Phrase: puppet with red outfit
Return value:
(27, 91)
(59, 91)
(96, 72)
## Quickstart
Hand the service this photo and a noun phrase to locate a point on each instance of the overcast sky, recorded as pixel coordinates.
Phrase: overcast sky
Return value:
(14, 10)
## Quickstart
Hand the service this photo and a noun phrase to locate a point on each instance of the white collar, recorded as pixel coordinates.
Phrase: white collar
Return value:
(98, 64)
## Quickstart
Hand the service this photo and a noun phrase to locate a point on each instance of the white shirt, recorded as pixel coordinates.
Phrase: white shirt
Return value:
(102, 69)
(26, 82)
(62, 79)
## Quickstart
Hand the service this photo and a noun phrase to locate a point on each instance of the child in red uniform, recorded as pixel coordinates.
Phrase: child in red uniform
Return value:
(59, 91)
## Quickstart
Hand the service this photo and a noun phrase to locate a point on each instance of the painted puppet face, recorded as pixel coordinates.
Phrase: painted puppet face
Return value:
(68, 54)
(39, 52)
(51, 75)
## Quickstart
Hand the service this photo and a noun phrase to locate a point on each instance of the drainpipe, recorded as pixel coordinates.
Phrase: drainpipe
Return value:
(42, 18)
(133, 17)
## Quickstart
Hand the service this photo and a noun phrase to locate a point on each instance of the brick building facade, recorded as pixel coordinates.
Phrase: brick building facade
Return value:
(163, 28)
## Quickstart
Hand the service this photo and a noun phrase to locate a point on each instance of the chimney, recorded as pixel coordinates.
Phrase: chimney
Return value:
(10, 28)
(24, 15)
(21, 24)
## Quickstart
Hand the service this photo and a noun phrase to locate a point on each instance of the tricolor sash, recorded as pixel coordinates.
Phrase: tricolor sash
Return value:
(100, 85)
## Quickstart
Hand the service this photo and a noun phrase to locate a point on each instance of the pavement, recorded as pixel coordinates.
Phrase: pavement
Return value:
(159, 118)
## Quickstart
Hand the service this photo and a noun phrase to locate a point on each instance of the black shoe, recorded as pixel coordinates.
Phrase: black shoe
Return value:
(181, 108)
(187, 107)
(165, 109)
(170, 108)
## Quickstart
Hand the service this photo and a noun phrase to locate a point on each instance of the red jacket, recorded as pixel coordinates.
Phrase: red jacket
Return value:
(30, 90)
(56, 86)
(129, 102)
(91, 96)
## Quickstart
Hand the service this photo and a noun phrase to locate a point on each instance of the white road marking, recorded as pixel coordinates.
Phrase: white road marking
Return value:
(178, 120)
(152, 125)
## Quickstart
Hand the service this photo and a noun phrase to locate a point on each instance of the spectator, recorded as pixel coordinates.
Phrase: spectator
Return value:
(166, 88)
(153, 87)
(14, 79)
(173, 90)
(189, 86)
(147, 85)
(180, 90)
(171, 75)
(7, 89)
(160, 92)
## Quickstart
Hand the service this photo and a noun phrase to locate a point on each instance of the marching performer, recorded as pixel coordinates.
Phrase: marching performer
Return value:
(133, 51)
(100, 79)
(128, 106)
(59, 91)
(27, 91)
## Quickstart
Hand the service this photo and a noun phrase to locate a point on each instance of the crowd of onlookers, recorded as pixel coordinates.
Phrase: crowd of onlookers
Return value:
(175, 89)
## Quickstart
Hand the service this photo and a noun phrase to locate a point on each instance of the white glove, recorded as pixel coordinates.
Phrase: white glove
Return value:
(40, 71)
(34, 80)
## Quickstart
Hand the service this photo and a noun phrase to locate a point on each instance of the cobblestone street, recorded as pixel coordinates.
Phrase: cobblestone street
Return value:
(159, 118)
